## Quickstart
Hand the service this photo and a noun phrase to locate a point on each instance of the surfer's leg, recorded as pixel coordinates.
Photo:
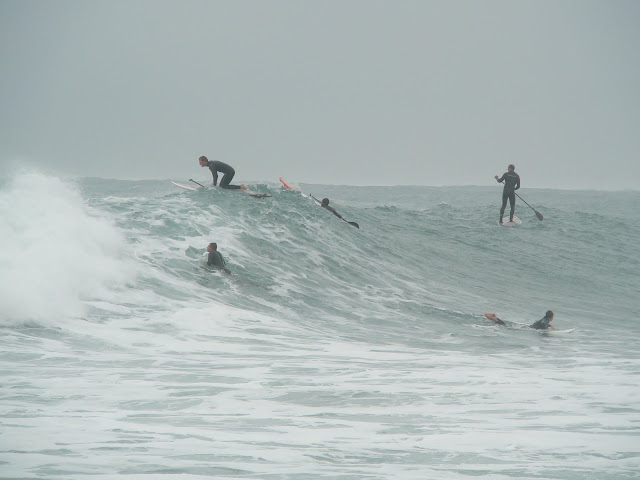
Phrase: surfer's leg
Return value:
(494, 318)
(512, 201)
(226, 179)
(504, 204)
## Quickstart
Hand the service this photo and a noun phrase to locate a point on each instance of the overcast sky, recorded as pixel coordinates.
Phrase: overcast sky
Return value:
(340, 92)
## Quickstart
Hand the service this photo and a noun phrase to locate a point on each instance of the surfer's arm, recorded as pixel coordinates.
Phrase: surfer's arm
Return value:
(214, 174)
(518, 183)
(500, 179)
(334, 212)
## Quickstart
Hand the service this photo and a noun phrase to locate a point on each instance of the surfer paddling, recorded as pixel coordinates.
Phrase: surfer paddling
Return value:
(215, 258)
(325, 204)
(227, 170)
(543, 324)
(511, 183)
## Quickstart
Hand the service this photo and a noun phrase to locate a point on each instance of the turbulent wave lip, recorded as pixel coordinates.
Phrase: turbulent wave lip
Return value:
(329, 351)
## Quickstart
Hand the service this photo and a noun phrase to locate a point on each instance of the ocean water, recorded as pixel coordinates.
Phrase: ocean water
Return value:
(330, 351)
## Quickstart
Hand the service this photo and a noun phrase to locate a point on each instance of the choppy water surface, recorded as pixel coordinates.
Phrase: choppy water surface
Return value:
(330, 352)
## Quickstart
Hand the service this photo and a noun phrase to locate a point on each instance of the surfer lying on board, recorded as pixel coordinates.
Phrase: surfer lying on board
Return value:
(543, 324)
(511, 184)
(215, 166)
(215, 258)
(325, 204)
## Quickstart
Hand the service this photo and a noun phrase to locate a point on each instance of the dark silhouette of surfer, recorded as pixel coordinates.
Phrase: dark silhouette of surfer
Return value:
(325, 204)
(543, 324)
(227, 170)
(215, 258)
(511, 183)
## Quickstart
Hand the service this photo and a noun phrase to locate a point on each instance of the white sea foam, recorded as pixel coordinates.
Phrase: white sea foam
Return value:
(55, 252)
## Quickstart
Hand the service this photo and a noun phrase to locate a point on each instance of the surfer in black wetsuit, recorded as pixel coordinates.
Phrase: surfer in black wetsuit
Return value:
(511, 184)
(325, 204)
(215, 258)
(543, 324)
(228, 172)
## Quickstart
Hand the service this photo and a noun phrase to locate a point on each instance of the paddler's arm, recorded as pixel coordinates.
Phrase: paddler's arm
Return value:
(333, 210)
(518, 183)
(214, 173)
(499, 179)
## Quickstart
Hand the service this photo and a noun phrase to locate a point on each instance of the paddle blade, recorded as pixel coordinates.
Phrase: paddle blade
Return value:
(354, 224)
(539, 215)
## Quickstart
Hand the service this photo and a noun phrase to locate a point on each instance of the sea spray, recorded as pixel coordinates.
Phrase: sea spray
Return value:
(56, 252)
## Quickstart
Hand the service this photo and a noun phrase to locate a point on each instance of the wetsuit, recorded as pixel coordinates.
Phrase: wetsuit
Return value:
(332, 210)
(215, 166)
(499, 322)
(511, 184)
(541, 324)
(215, 260)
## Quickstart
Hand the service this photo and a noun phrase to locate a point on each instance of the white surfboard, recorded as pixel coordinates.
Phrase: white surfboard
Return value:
(193, 186)
(568, 330)
(507, 223)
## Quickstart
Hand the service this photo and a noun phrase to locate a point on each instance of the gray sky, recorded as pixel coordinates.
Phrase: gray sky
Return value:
(342, 92)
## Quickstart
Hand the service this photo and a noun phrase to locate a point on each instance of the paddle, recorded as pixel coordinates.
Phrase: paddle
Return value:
(538, 214)
(192, 180)
(336, 213)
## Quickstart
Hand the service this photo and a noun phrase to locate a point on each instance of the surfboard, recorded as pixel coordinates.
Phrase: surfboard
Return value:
(507, 223)
(285, 184)
(187, 187)
(290, 186)
(568, 330)
(293, 187)
(193, 187)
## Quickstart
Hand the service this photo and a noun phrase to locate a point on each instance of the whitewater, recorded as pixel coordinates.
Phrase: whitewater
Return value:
(329, 352)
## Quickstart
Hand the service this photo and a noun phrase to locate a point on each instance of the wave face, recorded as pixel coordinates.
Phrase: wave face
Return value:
(330, 351)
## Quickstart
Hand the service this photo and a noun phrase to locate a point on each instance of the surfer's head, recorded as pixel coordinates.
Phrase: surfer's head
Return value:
(549, 315)
(203, 161)
(511, 167)
(325, 202)
(212, 247)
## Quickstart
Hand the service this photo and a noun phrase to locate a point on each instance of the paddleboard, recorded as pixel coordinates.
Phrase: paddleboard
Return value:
(193, 186)
(507, 223)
